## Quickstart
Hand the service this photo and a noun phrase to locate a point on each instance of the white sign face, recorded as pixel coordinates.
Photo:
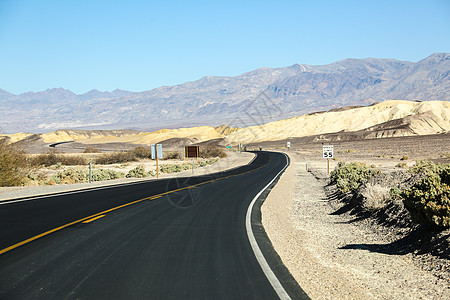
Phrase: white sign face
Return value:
(159, 148)
(327, 151)
(289, 144)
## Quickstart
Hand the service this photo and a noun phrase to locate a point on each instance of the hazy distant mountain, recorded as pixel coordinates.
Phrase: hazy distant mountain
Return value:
(238, 101)
(4, 94)
(96, 94)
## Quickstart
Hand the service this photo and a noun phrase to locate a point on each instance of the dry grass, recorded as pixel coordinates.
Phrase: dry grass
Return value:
(142, 152)
(124, 157)
(91, 150)
(14, 165)
(212, 151)
(174, 155)
(53, 158)
(115, 158)
(375, 196)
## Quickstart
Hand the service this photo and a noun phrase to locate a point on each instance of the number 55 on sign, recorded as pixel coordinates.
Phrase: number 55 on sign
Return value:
(327, 151)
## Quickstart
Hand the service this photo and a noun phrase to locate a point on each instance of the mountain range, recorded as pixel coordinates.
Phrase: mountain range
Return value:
(253, 98)
(387, 119)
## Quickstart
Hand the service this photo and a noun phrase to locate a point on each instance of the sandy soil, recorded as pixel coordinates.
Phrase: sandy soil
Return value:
(325, 252)
(233, 160)
(385, 154)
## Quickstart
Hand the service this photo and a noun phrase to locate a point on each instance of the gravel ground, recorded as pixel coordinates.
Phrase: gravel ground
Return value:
(233, 160)
(330, 255)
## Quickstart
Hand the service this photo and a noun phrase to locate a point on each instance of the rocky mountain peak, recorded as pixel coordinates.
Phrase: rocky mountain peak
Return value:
(285, 91)
(436, 58)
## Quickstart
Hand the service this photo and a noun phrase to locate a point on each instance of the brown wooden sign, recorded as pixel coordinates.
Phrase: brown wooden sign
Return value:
(191, 151)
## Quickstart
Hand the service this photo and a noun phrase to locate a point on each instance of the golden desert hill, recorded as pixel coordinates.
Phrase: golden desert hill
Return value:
(384, 119)
(199, 134)
(421, 118)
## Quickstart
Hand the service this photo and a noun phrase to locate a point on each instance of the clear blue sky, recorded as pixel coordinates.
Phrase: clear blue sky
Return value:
(138, 45)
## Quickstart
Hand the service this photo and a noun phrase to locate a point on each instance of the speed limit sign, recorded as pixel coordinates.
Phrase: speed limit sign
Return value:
(327, 151)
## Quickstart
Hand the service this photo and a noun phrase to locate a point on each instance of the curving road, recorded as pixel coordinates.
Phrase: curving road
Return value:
(161, 239)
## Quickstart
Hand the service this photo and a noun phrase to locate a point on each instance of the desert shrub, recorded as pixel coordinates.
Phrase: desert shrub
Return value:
(105, 174)
(115, 158)
(212, 161)
(142, 152)
(404, 157)
(71, 176)
(14, 165)
(82, 175)
(375, 196)
(401, 165)
(428, 200)
(348, 177)
(138, 172)
(52, 158)
(73, 160)
(208, 162)
(211, 151)
(36, 178)
(174, 155)
(45, 159)
(91, 150)
(394, 193)
(174, 168)
(56, 166)
(424, 167)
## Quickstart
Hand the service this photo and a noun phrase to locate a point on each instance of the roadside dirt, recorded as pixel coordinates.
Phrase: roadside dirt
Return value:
(332, 255)
(384, 153)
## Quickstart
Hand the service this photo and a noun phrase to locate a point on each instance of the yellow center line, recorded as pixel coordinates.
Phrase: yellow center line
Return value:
(93, 219)
(101, 214)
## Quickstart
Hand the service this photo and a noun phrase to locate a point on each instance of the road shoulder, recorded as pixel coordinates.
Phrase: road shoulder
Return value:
(311, 241)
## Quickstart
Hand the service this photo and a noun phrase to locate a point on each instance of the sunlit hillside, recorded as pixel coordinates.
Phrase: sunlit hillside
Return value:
(435, 118)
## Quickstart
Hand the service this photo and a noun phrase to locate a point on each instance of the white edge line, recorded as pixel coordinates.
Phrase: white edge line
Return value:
(279, 289)
(74, 191)
(227, 170)
(254, 157)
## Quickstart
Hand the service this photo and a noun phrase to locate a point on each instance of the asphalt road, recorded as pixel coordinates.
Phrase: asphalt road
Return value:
(162, 239)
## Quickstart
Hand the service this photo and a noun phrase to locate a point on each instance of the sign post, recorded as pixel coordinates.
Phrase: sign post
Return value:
(157, 153)
(90, 172)
(327, 152)
(288, 145)
(191, 151)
